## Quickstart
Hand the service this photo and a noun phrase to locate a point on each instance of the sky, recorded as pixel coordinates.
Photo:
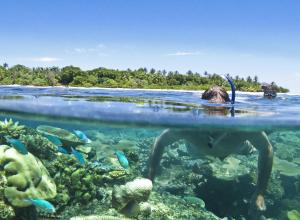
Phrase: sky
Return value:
(251, 37)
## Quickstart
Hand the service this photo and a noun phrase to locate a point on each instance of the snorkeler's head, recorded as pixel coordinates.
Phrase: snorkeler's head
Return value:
(216, 94)
(270, 90)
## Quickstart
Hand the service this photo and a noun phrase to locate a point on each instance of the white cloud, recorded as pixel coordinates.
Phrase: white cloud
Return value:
(101, 46)
(79, 50)
(43, 59)
(86, 50)
(184, 53)
(297, 74)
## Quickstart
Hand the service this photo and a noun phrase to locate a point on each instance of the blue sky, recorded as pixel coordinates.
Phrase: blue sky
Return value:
(243, 38)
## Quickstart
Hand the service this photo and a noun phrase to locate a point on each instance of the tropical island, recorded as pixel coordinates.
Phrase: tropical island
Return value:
(114, 78)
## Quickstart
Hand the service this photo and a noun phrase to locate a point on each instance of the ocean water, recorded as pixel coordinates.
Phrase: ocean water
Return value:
(202, 157)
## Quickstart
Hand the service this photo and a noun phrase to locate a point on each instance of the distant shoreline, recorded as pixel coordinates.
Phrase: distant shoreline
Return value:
(141, 78)
(137, 89)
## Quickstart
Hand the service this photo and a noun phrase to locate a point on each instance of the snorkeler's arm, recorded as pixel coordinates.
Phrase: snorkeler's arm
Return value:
(166, 138)
(265, 162)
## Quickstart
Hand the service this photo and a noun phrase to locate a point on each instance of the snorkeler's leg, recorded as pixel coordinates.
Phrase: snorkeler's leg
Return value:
(166, 138)
(265, 162)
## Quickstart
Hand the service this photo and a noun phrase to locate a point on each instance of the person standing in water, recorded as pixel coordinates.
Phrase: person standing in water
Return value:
(220, 144)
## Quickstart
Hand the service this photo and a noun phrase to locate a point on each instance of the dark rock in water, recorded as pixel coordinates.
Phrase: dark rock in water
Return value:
(233, 196)
(26, 213)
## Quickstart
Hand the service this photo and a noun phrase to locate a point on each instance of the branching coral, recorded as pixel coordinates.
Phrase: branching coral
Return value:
(39, 146)
(10, 128)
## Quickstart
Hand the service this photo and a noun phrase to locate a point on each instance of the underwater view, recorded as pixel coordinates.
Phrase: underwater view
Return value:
(113, 154)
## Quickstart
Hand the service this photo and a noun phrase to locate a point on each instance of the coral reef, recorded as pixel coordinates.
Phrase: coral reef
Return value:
(286, 168)
(39, 146)
(67, 138)
(6, 211)
(97, 217)
(10, 128)
(188, 188)
(26, 177)
(83, 183)
(126, 198)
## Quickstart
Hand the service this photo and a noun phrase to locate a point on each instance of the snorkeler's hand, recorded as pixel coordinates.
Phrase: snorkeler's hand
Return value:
(260, 203)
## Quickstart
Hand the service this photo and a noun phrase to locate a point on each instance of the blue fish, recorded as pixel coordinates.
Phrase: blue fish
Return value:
(78, 156)
(62, 150)
(82, 136)
(122, 159)
(54, 140)
(17, 144)
(42, 204)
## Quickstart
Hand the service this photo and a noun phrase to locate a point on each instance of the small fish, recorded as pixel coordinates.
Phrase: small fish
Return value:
(78, 156)
(82, 136)
(122, 159)
(54, 140)
(17, 144)
(62, 150)
(42, 204)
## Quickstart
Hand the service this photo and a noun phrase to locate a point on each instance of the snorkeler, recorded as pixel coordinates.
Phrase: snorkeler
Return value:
(220, 144)
(270, 90)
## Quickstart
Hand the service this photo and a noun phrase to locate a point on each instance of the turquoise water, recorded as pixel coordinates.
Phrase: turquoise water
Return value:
(188, 184)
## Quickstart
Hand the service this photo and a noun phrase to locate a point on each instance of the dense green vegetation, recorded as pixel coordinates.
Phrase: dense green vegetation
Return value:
(102, 77)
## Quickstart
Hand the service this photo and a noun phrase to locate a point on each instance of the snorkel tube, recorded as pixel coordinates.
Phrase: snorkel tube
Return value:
(232, 88)
(228, 79)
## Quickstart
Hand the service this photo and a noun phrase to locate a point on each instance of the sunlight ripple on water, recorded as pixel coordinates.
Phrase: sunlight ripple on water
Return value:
(150, 106)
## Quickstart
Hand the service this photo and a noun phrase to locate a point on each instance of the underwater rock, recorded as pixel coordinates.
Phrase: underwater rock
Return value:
(229, 169)
(98, 217)
(145, 209)
(275, 189)
(286, 168)
(125, 198)
(284, 152)
(296, 160)
(26, 177)
(194, 201)
(289, 138)
(167, 206)
(289, 204)
(225, 186)
(100, 137)
(125, 144)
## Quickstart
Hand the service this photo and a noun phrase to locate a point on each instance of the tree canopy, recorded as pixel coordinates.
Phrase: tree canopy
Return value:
(111, 78)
